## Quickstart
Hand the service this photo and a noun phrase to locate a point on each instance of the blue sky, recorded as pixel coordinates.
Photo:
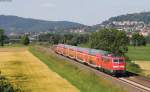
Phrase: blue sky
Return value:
(88, 12)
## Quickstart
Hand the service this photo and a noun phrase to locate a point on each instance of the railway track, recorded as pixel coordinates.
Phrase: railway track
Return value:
(130, 85)
(135, 85)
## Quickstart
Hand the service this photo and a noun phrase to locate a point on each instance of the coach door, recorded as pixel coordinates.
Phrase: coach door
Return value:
(106, 63)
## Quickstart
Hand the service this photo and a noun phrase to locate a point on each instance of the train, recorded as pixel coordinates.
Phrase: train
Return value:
(100, 59)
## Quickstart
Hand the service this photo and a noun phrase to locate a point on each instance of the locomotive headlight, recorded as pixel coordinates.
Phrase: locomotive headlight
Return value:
(118, 66)
(121, 66)
(115, 66)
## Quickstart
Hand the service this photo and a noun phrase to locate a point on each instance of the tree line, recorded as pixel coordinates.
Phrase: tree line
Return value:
(71, 39)
(4, 39)
(111, 40)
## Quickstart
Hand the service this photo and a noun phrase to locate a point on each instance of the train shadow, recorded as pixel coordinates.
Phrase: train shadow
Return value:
(127, 74)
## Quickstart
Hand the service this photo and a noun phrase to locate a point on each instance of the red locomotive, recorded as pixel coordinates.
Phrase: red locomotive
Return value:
(97, 58)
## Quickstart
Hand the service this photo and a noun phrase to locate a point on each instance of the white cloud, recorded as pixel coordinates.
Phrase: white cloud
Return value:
(48, 5)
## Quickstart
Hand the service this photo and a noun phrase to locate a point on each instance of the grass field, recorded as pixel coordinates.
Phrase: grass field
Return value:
(84, 80)
(139, 53)
(29, 73)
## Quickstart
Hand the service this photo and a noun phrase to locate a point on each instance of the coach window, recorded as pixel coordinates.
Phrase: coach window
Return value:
(105, 59)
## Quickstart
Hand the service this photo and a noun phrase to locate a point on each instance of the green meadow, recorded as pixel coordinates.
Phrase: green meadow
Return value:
(141, 53)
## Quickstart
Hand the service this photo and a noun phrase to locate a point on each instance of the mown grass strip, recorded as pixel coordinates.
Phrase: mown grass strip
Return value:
(84, 80)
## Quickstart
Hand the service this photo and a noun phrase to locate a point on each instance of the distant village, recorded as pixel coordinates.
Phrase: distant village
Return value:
(130, 27)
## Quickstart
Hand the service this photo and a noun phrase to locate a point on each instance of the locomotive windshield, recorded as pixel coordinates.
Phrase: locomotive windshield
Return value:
(118, 60)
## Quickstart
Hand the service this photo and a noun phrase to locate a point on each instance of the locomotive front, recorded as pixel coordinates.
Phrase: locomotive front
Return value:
(118, 65)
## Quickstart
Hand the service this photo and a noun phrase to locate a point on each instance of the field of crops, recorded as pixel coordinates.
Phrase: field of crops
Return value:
(145, 65)
(29, 73)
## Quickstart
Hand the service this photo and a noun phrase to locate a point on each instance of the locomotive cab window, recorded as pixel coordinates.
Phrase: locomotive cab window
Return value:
(118, 60)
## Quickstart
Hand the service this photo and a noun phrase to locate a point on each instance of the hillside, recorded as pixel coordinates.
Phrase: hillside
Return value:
(139, 17)
(144, 16)
(19, 24)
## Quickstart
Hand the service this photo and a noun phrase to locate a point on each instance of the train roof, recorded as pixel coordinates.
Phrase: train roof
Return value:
(88, 50)
(95, 51)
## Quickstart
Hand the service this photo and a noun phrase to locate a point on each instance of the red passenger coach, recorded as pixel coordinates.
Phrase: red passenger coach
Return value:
(103, 60)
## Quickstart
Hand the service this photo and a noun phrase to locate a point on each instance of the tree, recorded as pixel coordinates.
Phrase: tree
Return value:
(82, 38)
(55, 39)
(138, 40)
(45, 37)
(75, 39)
(25, 40)
(110, 40)
(148, 39)
(2, 37)
(67, 38)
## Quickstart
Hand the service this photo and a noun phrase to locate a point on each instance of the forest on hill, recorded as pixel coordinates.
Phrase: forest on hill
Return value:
(19, 24)
(143, 16)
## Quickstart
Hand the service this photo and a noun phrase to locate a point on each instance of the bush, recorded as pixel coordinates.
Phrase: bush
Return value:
(132, 67)
(138, 40)
(25, 40)
(6, 86)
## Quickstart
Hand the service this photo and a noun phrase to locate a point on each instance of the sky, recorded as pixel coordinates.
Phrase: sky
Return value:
(88, 12)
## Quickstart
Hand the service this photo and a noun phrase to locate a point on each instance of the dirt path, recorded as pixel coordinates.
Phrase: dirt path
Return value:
(27, 71)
